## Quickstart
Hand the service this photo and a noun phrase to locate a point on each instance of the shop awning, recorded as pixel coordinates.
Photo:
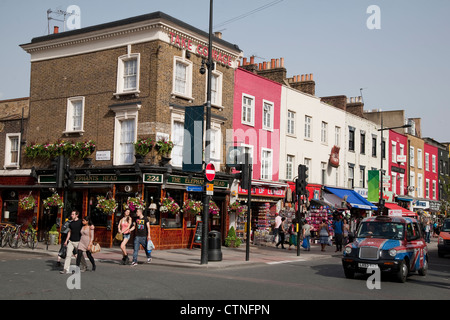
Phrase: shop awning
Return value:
(352, 197)
(396, 210)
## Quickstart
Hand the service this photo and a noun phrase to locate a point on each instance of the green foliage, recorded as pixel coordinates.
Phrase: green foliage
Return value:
(232, 240)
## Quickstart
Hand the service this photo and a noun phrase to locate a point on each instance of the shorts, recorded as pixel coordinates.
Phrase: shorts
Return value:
(126, 236)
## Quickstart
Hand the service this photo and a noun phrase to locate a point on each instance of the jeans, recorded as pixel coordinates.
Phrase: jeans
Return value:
(138, 241)
(308, 244)
(338, 238)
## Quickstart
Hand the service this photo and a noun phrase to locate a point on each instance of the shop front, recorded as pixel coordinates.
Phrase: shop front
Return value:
(171, 228)
(267, 200)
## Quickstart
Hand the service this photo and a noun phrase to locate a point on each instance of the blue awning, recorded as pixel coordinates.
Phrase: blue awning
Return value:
(354, 199)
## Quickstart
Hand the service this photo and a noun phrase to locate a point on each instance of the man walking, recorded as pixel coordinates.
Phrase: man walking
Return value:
(141, 236)
(72, 241)
(338, 227)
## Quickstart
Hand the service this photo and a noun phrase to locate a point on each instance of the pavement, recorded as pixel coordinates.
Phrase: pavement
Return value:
(187, 258)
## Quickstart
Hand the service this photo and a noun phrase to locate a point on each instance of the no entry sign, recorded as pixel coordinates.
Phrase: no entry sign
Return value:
(210, 172)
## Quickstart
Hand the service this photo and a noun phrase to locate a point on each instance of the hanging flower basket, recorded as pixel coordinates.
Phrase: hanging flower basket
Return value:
(237, 208)
(169, 205)
(164, 148)
(143, 146)
(27, 203)
(133, 204)
(213, 208)
(192, 207)
(53, 201)
(108, 206)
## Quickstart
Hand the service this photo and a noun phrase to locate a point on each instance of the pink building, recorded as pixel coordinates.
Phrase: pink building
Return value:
(398, 167)
(431, 190)
(256, 122)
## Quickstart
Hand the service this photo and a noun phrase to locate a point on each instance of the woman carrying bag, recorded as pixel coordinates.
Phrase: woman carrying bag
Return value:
(86, 240)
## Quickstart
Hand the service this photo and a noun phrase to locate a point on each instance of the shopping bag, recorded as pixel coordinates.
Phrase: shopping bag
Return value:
(150, 245)
(96, 248)
(305, 243)
(62, 252)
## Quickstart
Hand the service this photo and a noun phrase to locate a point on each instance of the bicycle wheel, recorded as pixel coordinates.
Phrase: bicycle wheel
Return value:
(15, 241)
(5, 239)
(32, 240)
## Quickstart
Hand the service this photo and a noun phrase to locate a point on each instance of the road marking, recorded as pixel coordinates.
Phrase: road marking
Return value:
(286, 261)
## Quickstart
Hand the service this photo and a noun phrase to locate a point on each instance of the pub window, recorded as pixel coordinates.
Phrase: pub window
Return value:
(182, 78)
(128, 74)
(12, 153)
(75, 115)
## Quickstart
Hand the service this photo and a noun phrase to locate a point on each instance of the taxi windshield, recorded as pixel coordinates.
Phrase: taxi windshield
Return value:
(382, 230)
(446, 226)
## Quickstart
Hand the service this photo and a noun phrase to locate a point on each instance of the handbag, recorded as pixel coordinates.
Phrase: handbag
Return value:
(95, 248)
(305, 243)
(119, 236)
(62, 252)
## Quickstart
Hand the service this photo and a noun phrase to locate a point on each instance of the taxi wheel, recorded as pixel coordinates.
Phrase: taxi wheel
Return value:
(403, 272)
(423, 271)
(349, 274)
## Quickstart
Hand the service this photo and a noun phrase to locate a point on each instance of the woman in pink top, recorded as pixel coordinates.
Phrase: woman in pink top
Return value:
(124, 228)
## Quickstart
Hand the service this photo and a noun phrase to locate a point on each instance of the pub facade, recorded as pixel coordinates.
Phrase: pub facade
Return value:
(102, 94)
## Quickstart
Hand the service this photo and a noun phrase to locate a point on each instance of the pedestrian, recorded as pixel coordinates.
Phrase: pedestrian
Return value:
(141, 236)
(63, 250)
(306, 231)
(323, 234)
(427, 231)
(293, 234)
(86, 240)
(281, 234)
(276, 227)
(124, 228)
(72, 241)
(338, 227)
(346, 232)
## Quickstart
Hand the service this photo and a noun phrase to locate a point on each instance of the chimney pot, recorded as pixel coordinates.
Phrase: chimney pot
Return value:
(55, 29)
(303, 77)
(311, 77)
(252, 60)
(244, 63)
(282, 62)
(264, 65)
(278, 63)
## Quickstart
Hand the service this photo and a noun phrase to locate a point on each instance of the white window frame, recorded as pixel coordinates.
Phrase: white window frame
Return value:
(218, 90)
(419, 185)
(251, 150)
(308, 164)
(394, 151)
(434, 189)
(427, 188)
(268, 123)
(411, 157)
(337, 136)
(324, 132)
(123, 112)
(308, 127)
(266, 175)
(120, 89)
(433, 163)
(189, 67)
(402, 184)
(8, 146)
(290, 164)
(70, 115)
(419, 159)
(216, 143)
(177, 117)
(290, 129)
(244, 111)
(394, 182)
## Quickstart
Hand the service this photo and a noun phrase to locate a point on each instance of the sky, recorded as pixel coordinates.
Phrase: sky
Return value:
(403, 64)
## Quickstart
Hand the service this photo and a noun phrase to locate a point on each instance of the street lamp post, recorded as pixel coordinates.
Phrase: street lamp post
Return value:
(381, 201)
(209, 64)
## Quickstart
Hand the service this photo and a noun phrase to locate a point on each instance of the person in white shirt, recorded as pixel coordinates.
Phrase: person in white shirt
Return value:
(276, 226)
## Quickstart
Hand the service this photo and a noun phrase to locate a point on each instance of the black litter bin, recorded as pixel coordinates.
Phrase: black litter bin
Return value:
(214, 246)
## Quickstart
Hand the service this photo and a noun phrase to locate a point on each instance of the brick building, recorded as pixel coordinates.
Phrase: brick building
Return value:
(119, 82)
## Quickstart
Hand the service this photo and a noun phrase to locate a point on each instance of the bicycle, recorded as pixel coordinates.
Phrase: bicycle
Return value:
(16, 238)
(6, 234)
(31, 238)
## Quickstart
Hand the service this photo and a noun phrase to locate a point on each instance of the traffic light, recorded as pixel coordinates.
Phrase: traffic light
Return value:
(244, 175)
(301, 182)
(59, 164)
(69, 175)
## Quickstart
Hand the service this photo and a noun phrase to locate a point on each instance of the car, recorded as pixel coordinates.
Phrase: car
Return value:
(444, 239)
(391, 244)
